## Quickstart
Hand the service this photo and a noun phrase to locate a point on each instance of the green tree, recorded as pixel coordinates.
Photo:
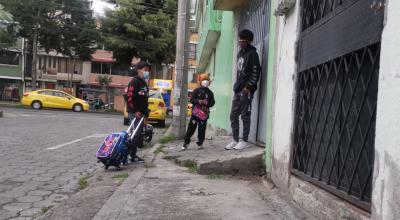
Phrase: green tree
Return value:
(6, 39)
(104, 81)
(143, 28)
(65, 26)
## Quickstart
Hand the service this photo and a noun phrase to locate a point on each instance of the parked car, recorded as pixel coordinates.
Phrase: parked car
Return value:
(157, 109)
(48, 98)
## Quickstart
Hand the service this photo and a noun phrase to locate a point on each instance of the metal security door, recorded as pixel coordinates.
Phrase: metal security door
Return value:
(256, 19)
(337, 86)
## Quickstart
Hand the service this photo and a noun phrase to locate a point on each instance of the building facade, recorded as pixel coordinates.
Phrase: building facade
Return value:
(327, 103)
(11, 64)
(333, 142)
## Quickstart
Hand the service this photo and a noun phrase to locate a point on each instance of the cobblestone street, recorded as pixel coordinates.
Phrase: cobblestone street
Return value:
(44, 154)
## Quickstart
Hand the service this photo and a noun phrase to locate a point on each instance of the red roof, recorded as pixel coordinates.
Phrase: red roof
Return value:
(103, 56)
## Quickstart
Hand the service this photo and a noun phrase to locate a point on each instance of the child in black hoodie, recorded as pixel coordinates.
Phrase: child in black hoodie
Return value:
(202, 100)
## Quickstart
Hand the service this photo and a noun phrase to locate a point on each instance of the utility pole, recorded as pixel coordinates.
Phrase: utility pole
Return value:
(178, 126)
(34, 53)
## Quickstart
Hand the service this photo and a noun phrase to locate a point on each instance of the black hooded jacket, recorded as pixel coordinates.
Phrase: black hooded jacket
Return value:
(248, 70)
(138, 96)
(203, 93)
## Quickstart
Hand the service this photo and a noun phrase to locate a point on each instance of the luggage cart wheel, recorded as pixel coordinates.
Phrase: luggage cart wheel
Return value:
(106, 167)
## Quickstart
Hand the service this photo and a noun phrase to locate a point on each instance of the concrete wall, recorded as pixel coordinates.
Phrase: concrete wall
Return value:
(270, 88)
(287, 33)
(86, 70)
(386, 180)
(386, 176)
(220, 66)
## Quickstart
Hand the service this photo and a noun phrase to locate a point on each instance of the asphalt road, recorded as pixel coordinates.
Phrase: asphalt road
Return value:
(45, 153)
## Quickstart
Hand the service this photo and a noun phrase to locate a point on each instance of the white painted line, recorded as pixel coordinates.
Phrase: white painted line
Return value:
(76, 141)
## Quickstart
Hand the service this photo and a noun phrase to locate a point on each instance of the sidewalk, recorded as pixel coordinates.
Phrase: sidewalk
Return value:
(11, 104)
(162, 190)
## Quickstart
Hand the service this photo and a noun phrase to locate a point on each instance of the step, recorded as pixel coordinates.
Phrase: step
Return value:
(214, 159)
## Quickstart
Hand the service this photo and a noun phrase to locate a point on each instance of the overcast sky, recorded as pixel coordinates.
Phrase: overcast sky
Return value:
(99, 6)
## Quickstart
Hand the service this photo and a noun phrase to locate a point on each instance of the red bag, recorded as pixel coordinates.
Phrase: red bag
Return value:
(200, 113)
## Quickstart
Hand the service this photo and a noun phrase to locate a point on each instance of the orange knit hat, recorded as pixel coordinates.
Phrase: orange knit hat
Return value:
(204, 76)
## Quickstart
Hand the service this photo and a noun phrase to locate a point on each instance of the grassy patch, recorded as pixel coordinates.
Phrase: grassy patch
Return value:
(122, 176)
(160, 149)
(83, 182)
(191, 165)
(167, 139)
(215, 177)
(45, 209)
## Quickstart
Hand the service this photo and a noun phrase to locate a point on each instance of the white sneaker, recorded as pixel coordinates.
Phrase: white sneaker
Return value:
(231, 145)
(242, 145)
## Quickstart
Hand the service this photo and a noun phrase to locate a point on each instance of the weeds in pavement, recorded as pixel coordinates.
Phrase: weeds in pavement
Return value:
(83, 182)
(160, 149)
(121, 176)
(167, 139)
(45, 209)
(215, 177)
(191, 165)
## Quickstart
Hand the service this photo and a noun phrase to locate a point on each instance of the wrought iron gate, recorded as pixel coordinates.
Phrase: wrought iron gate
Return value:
(337, 85)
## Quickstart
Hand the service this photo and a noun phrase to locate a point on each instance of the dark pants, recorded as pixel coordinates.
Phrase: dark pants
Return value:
(137, 140)
(241, 106)
(193, 124)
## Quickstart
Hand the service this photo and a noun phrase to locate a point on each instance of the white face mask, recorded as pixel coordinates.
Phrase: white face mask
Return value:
(205, 83)
(146, 75)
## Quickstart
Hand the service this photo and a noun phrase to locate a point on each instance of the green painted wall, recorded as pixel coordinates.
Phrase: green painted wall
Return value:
(220, 67)
(270, 88)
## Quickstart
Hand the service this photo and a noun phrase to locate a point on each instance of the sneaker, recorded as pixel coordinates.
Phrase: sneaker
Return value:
(242, 145)
(231, 145)
(200, 147)
(184, 147)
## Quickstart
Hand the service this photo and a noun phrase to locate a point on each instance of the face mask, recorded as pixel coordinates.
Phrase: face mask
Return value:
(205, 83)
(146, 75)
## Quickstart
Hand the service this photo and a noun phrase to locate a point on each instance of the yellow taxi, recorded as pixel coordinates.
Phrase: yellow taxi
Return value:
(48, 98)
(157, 109)
(189, 109)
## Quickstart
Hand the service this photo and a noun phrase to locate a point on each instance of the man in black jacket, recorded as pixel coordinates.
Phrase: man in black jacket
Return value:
(138, 104)
(248, 74)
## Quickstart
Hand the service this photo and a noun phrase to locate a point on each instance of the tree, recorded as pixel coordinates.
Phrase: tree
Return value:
(65, 26)
(104, 81)
(142, 28)
(6, 39)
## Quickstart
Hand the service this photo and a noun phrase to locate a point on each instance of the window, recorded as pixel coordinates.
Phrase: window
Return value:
(9, 57)
(60, 94)
(59, 65)
(50, 59)
(44, 61)
(192, 51)
(54, 62)
(46, 93)
(40, 62)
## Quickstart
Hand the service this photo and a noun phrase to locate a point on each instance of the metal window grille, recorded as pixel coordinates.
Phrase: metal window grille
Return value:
(335, 124)
(313, 11)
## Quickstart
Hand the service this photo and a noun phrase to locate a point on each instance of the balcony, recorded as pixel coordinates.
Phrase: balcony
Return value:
(229, 5)
(116, 80)
(209, 34)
